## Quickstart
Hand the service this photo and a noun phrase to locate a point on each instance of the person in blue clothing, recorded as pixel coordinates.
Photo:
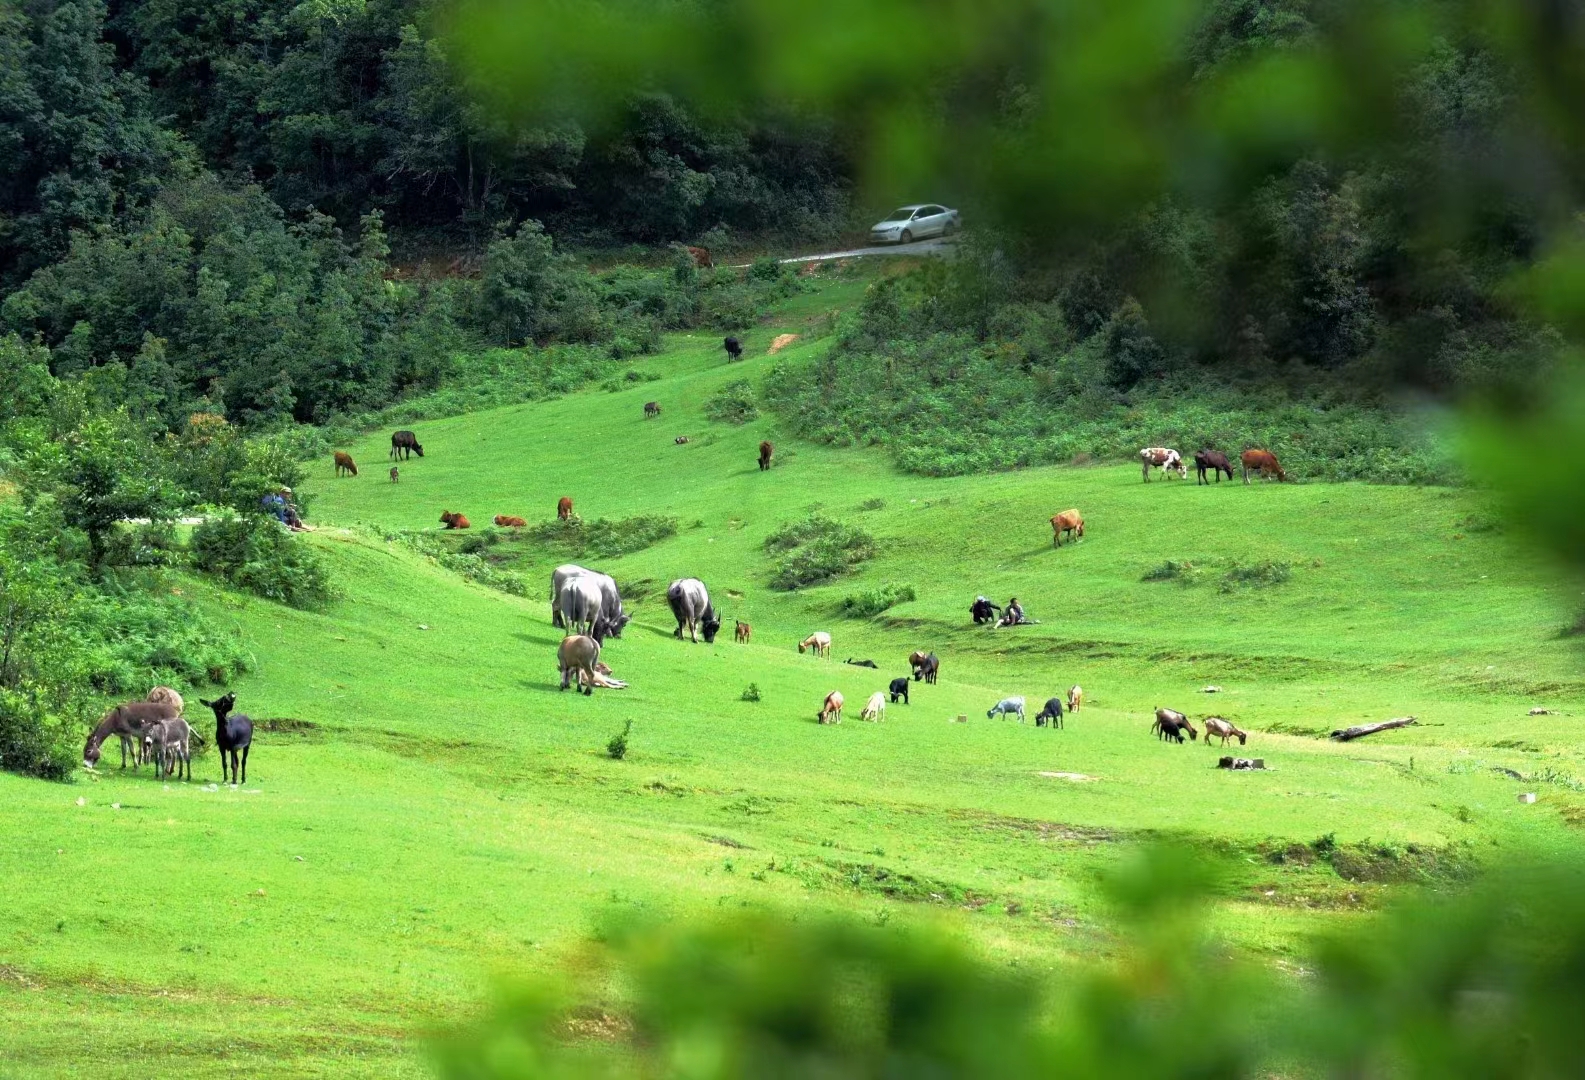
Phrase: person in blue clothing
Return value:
(278, 504)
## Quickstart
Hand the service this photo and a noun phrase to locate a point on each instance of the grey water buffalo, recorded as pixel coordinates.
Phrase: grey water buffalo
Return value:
(610, 597)
(579, 607)
(690, 603)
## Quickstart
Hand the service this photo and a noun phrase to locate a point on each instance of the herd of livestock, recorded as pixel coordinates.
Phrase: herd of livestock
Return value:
(153, 731)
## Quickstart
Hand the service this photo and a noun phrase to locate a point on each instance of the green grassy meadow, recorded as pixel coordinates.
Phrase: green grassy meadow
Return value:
(426, 813)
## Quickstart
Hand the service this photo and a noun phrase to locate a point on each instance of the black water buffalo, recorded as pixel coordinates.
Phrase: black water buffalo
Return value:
(403, 444)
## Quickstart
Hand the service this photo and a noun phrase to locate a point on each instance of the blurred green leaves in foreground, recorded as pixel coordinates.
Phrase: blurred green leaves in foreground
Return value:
(1486, 983)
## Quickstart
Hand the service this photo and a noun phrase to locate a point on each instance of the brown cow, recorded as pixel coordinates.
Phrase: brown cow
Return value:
(1263, 462)
(509, 522)
(344, 463)
(453, 521)
(765, 452)
(744, 631)
(701, 257)
(1069, 521)
(564, 508)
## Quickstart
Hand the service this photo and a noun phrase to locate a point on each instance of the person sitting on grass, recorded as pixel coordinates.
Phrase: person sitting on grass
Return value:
(278, 504)
(1013, 615)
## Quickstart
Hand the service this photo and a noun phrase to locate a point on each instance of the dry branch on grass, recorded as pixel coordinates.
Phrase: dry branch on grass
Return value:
(1359, 731)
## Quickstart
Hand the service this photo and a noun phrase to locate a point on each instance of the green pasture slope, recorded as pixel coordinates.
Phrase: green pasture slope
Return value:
(426, 812)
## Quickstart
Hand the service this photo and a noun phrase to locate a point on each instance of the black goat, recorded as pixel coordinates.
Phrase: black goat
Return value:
(899, 688)
(233, 733)
(861, 663)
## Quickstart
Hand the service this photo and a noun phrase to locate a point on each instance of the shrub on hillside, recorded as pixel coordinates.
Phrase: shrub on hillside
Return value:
(871, 602)
(1257, 575)
(254, 553)
(815, 550)
(616, 749)
(732, 404)
(604, 537)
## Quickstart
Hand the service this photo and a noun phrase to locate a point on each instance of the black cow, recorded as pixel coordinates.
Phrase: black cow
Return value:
(899, 689)
(403, 444)
(1214, 461)
(734, 349)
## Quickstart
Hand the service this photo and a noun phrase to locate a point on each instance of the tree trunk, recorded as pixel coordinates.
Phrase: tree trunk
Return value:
(1359, 731)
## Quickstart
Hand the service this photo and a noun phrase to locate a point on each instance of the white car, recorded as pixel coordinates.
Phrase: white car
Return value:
(909, 223)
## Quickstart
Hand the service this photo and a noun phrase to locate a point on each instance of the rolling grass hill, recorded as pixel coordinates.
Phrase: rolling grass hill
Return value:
(425, 811)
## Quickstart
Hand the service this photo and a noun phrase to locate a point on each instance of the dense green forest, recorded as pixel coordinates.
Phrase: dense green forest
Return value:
(223, 224)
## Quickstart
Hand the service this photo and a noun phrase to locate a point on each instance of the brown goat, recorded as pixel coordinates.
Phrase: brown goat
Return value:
(744, 631)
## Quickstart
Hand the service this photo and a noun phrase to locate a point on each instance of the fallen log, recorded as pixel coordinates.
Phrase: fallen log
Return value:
(1359, 731)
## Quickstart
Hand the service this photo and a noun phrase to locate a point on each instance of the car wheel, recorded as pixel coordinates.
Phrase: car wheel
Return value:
(951, 228)
(907, 236)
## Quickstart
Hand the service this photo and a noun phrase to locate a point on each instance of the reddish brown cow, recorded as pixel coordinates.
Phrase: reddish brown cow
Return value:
(453, 521)
(509, 522)
(701, 257)
(765, 451)
(564, 508)
(1263, 462)
(1069, 521)
(344, 463)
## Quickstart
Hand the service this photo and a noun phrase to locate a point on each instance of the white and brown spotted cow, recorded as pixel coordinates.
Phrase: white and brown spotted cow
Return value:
(1164, 458)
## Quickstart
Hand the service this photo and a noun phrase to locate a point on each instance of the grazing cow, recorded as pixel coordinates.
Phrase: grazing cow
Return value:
(765, 451)
(127, 722)
(1263, 462)
(899, 689)
(651, 409)
(690, 603)
(403, 444)
(611, 602)
(681, 440)
(831, 711)
(344, 464)
(1075, 698)
(1164, 458)
(861, 663)
(1215, 725)
(1007, 707)
(701, 257)
(506, 522)
(1171, 724)
(454, 521)
(580, 607)
(743, 632)
(1213, 461)
(233, 733)
(1069, 521)
(819, 641)
(396, 474)
(926, 666)
(564, 508)
(875, 708)
(1051, 711)
(578, 653)
(983, 610)
(734, 349)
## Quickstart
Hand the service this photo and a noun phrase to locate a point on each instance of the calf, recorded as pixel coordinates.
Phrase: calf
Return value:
(899, 689)
(395, 474)
(651, 409)
(734, 349)
(831, 711)
(453, 521)
(1171, 724)
(506, 522)
(344, 464)
(1066, 523)
(701, 257)
(1215, 725)
(564, 508)
(1263, 462)
(875, 708)
(1164, 458)
(168, 744)
(578, 653)
(1052, 711)
(744, 632)
(1006, 707)
(765, 452)
(1213, 461)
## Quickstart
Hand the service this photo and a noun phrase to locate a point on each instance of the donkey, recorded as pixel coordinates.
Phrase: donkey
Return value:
(232, 733)
(128, 722)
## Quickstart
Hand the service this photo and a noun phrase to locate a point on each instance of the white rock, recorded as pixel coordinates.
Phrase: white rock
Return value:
(1527, 797)
(81, 801)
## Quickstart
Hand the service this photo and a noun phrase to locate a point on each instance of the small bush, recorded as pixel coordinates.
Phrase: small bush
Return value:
(34, 742)
(732, 404)
(751, 692)
(872, 602)
(816, 549)
(605, 538)
(1177, 570)
(873, 504)
(616, 749)
(255, 553)
(1258, 575)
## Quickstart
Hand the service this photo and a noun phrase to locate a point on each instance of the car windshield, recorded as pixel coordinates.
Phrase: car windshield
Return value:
(901, 215)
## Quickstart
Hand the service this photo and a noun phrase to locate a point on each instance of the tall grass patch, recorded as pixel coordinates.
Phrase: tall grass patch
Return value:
(814, 550)
(871, 602)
